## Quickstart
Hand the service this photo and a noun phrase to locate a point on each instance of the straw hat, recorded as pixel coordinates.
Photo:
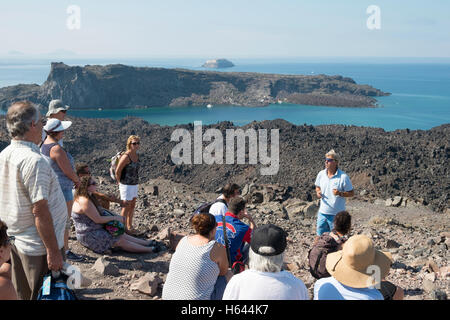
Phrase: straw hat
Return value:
(358, 264)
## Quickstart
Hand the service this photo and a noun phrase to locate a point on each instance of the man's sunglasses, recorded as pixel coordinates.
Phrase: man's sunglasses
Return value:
(136, 143)
(329, 160)
(93, 183)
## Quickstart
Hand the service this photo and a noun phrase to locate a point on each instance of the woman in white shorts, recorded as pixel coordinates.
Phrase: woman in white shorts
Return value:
(127, 173)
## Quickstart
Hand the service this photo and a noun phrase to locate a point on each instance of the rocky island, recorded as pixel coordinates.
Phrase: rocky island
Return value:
(218, 64)
(121, 86)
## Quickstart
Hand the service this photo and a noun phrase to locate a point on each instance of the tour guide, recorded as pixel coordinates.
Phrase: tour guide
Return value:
(332, 187)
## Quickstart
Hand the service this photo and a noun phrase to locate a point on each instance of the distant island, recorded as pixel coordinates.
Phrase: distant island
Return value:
(218, 64)
(121, 86)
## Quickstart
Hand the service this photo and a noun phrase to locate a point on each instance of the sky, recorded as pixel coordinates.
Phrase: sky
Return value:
(225, 29)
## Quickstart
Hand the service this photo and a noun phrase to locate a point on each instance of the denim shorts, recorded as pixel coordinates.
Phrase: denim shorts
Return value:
(68, 194)
(324, 223)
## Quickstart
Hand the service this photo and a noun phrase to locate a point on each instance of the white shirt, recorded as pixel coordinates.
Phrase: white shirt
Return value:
(218, 208)
(331, 289)
(257, 285)
(329, 203)
(26, 178)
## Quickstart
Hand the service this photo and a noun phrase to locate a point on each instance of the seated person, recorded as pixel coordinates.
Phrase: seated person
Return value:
(89, 221)
(351, 271)
(238, 233)
(198, 267)
(7, 291)
(105, 200)
(265, 279)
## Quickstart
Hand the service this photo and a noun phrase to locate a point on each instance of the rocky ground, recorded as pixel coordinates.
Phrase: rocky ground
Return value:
(417, 237)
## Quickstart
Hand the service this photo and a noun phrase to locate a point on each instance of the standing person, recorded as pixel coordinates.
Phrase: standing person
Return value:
(229, 191)
(332, 187)
(7, 291)
(56, 110)
(62, 163)
(238, 233)
(32, 202)
(198, 267)
(127, 174)
(265, 279)
(82, 170)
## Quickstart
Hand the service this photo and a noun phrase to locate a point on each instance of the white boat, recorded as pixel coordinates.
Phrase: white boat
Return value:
(209, 106)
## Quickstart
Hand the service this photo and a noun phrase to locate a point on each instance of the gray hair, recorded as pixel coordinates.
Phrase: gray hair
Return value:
(19, 118)
(265, 263)
(333, 154)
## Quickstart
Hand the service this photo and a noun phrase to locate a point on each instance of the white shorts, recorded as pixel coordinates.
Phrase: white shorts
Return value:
(128, 192)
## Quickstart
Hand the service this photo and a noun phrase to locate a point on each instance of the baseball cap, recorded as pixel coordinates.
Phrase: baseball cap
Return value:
(268, 240)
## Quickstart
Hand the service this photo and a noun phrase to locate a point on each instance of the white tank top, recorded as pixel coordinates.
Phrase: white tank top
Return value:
(192, 274)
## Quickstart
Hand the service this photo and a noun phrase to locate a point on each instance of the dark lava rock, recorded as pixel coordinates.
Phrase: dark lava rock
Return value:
(410, 164)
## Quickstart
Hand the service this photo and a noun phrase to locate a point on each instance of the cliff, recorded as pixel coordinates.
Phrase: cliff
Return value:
(120, 86)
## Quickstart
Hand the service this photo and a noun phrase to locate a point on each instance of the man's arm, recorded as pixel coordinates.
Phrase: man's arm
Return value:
(44, 225)
(346, 194)
(318, 192)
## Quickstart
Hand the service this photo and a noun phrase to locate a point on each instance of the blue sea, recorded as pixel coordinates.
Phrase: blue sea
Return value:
(420, 92)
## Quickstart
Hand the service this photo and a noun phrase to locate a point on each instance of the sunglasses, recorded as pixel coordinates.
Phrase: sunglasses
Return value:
(10, 239)
(329, 160)
(93, 183)
(136, 143)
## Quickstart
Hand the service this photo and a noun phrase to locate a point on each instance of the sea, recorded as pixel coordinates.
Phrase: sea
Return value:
(419, 100)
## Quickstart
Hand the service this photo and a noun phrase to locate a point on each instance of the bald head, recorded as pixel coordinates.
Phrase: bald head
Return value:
(19, 118)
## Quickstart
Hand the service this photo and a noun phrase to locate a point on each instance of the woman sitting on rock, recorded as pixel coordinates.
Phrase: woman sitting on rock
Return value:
(89, 224)
(199, 265)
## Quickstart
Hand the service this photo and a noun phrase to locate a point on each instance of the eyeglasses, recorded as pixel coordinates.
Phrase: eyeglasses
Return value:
(10, 239)
(136, 143)
(329, 160)
(63, 111)
(93, 183)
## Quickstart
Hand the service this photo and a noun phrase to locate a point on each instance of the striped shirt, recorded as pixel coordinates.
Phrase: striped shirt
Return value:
(192, 274)
(26, 178)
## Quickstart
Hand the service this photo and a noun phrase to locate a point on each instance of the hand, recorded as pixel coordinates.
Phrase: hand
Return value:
(319, 195)
(55, 261)
(77, 182)
(336, 192)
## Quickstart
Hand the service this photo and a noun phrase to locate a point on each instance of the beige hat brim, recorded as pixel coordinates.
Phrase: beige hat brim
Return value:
(353, 278)
(50, 112)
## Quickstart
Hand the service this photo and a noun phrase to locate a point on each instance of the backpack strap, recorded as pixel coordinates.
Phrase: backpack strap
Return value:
(225, 238)
(222, 201)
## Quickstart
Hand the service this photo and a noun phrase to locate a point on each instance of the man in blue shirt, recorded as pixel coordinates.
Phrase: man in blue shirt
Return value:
(238, 233)
(332, 187)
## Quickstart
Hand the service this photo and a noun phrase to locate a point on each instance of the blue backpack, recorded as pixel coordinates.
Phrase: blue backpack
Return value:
(59, 290)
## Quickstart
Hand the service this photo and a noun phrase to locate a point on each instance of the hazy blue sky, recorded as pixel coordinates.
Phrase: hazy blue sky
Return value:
(231, 28)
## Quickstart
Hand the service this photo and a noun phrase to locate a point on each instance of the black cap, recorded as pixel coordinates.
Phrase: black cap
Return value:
(268, 240)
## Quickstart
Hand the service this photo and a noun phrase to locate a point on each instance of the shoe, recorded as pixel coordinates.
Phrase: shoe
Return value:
(73, 257)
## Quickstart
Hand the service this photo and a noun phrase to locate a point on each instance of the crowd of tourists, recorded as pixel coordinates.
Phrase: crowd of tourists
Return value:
(230, 256)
